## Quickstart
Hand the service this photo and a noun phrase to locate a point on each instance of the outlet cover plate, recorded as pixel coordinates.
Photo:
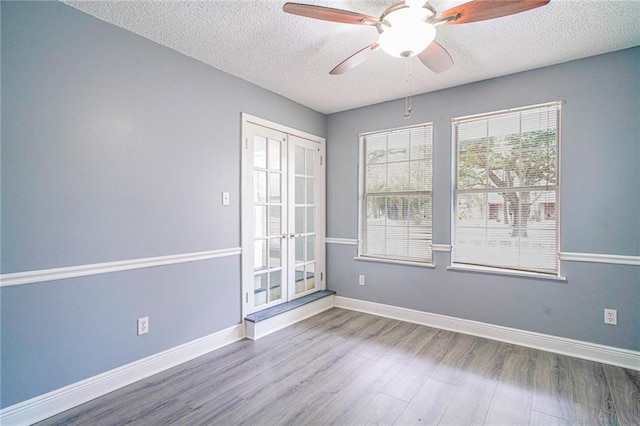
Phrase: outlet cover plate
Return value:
(611, 316)
(143, 325)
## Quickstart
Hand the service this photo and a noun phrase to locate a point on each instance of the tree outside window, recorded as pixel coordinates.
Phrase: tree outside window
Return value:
(506, 189)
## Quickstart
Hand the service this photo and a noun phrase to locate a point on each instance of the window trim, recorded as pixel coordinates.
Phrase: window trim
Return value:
(378, 259)
(468, 267)
(362, 197)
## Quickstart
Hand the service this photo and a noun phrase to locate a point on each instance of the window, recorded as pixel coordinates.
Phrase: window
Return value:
(395, 206)
(506, 189)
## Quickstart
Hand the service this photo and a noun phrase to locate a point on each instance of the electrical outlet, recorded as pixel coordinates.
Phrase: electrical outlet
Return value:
(143, 325)
(361, 279)
(611, 316)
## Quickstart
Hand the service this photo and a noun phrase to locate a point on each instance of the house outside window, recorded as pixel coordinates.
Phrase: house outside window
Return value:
(506, 189)
(396, 194)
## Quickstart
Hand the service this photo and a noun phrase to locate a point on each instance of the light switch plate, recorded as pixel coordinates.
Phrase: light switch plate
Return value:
(225, 198)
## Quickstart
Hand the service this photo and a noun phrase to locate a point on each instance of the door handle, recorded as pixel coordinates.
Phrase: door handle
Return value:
(292, 235)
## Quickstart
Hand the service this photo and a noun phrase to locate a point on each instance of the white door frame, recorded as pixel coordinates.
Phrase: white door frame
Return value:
(246, 208)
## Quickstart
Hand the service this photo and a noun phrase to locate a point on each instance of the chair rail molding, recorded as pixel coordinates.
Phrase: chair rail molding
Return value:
(345, 241)
(28, 277)
(600, 258)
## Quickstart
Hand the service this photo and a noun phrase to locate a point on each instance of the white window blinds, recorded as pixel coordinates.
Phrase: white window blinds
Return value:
(396, 184)
(506, 189)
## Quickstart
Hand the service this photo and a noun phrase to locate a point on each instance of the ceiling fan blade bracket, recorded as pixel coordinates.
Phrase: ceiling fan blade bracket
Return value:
(446, 20)
(431, 9)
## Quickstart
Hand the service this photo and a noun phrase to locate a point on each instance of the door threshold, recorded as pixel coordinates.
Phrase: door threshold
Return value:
(268, 320)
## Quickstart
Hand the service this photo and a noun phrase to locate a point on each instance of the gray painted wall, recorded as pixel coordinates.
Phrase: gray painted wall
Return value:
(115, 148)
(600, 197)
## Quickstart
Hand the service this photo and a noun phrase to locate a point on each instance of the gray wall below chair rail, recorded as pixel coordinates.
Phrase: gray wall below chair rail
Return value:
(600, 204)
(115, 148)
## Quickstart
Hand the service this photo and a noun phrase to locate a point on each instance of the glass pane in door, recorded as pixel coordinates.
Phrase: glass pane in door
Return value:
(268, 216)
(305, 222)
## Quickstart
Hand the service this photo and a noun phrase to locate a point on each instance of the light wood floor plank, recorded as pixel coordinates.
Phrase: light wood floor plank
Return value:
(553, 393)
(590, 399)
(429, 404)
(381, 410)
(511, 403)
(418, 369)
(451, 368)
(344, 367)
(349, 401)
(625, 388)
(542, 419)
(472, 399)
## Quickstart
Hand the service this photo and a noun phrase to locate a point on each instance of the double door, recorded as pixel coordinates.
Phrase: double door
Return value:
(282, 215)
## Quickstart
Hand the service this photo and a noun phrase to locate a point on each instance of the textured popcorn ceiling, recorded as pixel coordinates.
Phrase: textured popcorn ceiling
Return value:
(292, 55)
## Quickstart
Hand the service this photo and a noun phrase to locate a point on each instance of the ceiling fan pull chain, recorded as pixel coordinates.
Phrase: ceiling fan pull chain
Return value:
(407, 101)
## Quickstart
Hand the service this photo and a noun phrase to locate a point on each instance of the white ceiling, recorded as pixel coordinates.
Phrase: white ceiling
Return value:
(292, 56)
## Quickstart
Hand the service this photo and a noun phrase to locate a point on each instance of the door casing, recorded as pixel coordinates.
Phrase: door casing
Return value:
(246, 209)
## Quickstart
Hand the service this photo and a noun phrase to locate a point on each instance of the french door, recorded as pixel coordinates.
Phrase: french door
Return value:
(282, 214)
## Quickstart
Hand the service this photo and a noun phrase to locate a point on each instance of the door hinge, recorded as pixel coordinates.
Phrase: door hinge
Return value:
(321, 276)
(321, 160)
(246, 143)
(246, 297)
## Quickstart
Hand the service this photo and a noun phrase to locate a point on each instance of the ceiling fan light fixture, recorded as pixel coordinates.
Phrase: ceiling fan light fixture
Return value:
(415, 3)
(406, 32)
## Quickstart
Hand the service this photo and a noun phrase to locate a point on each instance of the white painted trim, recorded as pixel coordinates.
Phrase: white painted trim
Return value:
(280, 128)
(285, 319)
(500, 271)
(293, 137)
(441, 247)
(394, 261)
(600, 258)
(59, 400)
(606, 354)
(28, 277)
(345, 241)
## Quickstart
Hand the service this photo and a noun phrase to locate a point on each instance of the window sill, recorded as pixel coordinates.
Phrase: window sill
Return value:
(395, 262)
(498, 271)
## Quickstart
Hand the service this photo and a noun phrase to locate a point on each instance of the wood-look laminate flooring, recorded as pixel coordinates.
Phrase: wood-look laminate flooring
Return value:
(344, 367)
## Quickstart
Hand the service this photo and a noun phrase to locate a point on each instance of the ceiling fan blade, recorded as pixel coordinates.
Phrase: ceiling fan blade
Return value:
(480, 10)
(436, 58)
(329, 14)
(355, 59)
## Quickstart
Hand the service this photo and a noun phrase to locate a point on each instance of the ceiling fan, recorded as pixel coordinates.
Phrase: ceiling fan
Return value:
(407, 28)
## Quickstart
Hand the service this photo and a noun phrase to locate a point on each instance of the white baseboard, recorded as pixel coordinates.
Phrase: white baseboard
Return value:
(285, 319)
(575, 348)
(59, 400)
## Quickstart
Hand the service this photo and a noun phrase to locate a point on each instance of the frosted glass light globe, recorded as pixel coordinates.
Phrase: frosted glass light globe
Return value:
(405, 32)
